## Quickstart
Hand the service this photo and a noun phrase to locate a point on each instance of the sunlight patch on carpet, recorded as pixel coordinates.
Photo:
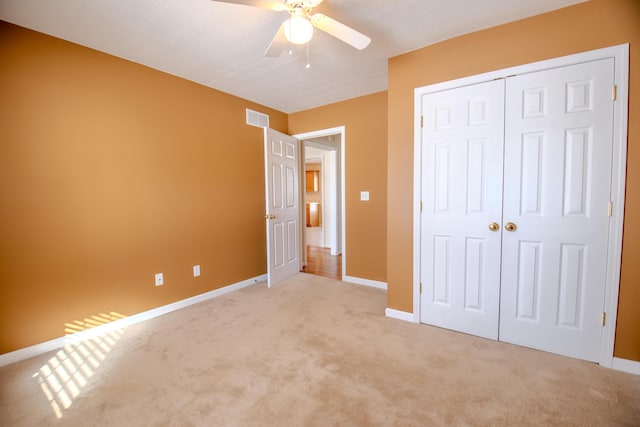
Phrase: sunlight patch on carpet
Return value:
(64, 376)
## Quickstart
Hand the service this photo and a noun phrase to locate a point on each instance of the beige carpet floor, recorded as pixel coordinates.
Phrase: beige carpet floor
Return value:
(309, 352)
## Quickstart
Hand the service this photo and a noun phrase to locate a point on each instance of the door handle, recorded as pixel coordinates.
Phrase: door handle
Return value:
(510, 227)
(270, 216)
(494, 226)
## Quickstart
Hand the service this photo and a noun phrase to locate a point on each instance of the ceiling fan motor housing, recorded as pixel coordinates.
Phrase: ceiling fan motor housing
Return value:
(301, 5)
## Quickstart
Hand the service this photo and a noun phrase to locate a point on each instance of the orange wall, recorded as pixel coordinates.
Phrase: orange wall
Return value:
(109, 173)
(587, 26)
(365, 121)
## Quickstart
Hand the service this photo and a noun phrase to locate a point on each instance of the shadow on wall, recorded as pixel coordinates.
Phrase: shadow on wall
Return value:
(64, 376)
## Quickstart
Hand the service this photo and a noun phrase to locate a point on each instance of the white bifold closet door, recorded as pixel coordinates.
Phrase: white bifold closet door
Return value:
(557, 186)
(516, 177)
(462, 153)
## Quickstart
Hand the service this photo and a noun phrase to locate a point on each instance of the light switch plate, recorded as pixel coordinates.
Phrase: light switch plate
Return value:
(196, 270)
(364, 196)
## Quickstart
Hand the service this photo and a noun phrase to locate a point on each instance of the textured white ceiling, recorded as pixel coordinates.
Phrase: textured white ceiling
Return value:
(221, 45)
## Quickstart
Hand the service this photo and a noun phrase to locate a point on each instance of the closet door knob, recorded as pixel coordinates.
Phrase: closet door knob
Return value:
(494, 226)
(510, 227)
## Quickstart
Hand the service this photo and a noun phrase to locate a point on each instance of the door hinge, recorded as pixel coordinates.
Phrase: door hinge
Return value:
(421, 121)
(614, 93)
(604, 318)
(420, 206)
(610, 209)
(421, 287)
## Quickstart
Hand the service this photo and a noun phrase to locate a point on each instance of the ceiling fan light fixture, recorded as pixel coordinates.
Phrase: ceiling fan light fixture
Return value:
(298, 29)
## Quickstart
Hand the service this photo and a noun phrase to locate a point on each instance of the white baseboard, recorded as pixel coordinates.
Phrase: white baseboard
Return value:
(54, 344)
(400, 315)
(630, 366)
(365, 282)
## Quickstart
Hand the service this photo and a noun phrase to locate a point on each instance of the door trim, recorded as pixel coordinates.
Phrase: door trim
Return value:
(620, 53)
(340, 130)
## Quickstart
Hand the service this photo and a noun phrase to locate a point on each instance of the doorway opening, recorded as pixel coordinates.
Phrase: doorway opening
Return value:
(323, 202)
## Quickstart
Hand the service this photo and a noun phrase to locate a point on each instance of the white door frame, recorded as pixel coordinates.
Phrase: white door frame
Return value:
(340, 130)
(620, 53)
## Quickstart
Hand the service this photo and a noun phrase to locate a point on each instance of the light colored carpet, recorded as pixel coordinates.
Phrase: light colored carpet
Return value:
(309, 352)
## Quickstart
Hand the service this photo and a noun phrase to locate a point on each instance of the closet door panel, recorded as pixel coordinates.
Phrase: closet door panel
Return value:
(462, 143)
(557, 177)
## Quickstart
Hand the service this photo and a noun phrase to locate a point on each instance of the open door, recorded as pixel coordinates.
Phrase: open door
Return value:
(281, 156)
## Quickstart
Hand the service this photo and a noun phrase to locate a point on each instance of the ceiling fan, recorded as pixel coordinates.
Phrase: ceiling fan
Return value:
(298, 27)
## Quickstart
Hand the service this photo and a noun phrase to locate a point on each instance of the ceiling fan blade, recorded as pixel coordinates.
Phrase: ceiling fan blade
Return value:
(266, 4)
(278, 44)
(340, 31)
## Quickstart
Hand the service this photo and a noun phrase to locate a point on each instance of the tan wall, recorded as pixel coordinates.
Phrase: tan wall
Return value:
(587, 26)
(365, 121)
(109, 173)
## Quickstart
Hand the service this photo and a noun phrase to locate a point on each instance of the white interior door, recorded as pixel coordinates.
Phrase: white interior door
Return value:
(283, 204)
(557, 184)
(462, 149)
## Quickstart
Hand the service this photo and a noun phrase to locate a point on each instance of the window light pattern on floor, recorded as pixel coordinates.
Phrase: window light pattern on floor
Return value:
(64, 376)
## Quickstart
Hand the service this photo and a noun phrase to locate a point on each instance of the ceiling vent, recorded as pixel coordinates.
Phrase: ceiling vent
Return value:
(257, 119)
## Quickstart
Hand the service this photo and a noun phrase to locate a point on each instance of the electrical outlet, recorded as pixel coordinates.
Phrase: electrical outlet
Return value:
(196, 270)
(159, 279)
(364, 196)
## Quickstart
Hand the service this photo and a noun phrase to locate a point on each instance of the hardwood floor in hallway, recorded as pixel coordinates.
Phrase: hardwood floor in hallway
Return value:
(321, 262)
